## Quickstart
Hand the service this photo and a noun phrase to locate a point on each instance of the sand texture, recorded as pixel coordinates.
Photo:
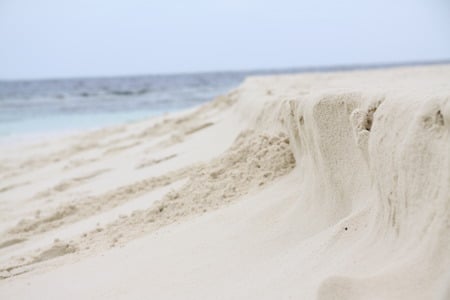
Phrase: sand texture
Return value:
(309, 186)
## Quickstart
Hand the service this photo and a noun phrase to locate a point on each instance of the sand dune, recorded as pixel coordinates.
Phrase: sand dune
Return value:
(310, 186)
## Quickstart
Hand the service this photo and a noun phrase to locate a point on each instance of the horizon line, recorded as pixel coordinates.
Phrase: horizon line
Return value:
(280, 70)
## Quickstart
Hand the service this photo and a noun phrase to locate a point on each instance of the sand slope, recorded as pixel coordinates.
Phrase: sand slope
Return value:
(312, 186)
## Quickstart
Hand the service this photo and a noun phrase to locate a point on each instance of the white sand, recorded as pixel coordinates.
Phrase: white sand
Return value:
(313, 186)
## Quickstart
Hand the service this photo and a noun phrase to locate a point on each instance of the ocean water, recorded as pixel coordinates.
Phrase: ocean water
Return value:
(33, 108)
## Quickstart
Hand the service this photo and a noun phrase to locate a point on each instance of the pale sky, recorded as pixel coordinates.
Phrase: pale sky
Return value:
(75, 38)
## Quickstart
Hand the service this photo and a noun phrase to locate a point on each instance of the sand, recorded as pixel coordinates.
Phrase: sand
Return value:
(309, 186)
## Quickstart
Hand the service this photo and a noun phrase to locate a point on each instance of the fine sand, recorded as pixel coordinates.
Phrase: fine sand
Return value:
(310, 186)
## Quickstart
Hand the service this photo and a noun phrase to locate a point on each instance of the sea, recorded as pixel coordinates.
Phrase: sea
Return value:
(46, 107)
(35, 108)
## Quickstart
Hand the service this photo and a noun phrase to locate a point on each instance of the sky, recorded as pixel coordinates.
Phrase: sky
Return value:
(77, 38)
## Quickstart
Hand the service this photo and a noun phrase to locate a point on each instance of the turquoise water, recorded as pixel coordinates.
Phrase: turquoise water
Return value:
(53, 124)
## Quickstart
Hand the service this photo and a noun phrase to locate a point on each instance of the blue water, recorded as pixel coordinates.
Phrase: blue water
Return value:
(52, 106)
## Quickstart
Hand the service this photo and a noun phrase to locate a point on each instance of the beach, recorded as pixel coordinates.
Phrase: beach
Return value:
(305, 186)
